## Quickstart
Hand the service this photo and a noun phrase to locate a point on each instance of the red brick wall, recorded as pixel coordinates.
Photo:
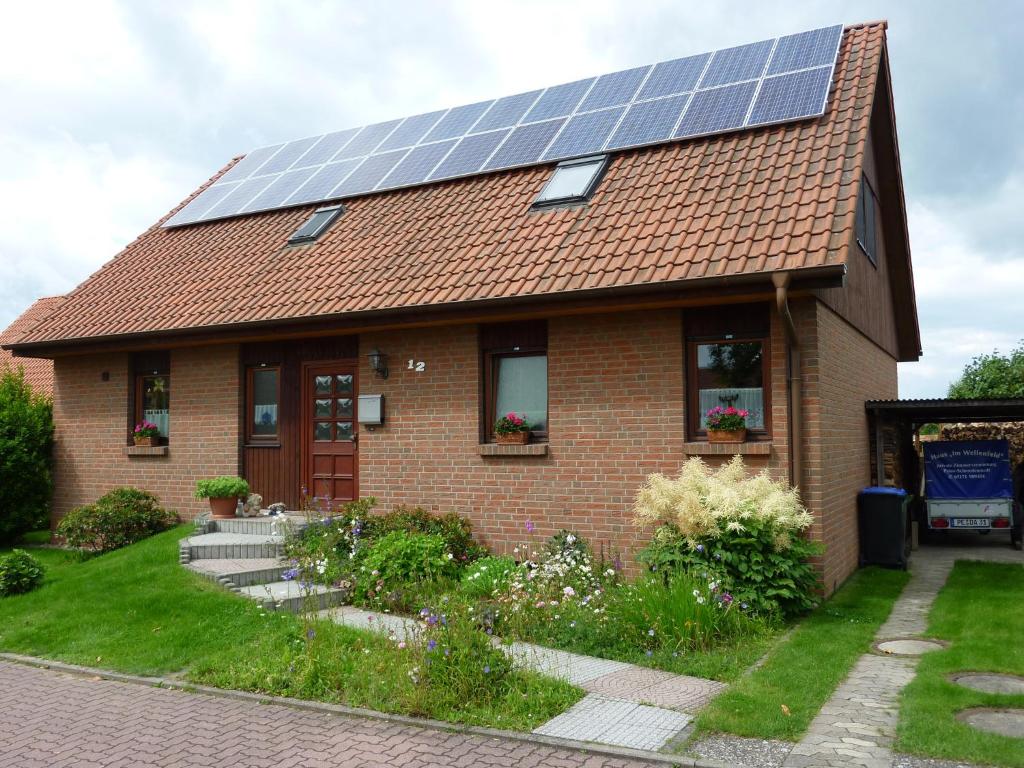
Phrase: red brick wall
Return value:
(842, 369)
(91, 418)
(616, 415)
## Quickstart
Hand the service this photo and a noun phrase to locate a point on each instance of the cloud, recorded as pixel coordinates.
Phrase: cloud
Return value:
(116, 111)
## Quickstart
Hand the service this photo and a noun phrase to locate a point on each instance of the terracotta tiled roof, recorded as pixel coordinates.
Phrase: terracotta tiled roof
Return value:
(749, 202)
(38, 373)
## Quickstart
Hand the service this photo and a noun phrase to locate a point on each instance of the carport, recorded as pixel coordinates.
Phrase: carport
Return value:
(894, 426)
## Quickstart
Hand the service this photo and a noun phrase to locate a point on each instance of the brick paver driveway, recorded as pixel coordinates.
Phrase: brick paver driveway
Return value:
(51, 719)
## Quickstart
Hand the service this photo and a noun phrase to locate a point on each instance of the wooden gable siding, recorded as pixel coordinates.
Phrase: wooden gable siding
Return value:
(273, 469)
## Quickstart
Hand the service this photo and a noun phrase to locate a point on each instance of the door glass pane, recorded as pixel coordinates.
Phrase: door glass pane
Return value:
(732, 374)
(264, 401)
(344, 384)
(522, 388)
(343, 408)
(322, 431)
(322, 408)
(322, 385)
(344, 431)
(156, 402)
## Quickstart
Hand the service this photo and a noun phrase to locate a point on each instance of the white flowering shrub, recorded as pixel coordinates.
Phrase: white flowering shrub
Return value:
(746, 531)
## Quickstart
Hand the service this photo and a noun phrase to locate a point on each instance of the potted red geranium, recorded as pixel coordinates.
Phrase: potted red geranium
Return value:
(726, 425)
(146, 433)
(512, 429)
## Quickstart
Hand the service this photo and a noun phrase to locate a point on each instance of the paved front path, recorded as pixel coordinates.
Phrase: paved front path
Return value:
(52, 720)
(857, 726)
(626, 705)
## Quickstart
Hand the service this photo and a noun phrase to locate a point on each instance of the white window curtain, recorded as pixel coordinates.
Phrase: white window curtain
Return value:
(744, 398)
(160, 417)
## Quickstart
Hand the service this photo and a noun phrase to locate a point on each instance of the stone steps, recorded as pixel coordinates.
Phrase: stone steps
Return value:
(294, 597)
(244, 555)
(231, 546)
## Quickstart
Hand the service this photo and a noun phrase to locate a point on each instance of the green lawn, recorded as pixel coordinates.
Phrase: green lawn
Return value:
(980, 612)
(779, 699)
(136, 610)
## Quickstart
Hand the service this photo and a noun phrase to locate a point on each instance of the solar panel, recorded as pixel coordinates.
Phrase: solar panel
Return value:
(458, 121)
(717, 109)
(649, 121)
(325, 149)
(584, 134)
(370, 173)
(525, 145)
(506, 112)
(732, 65)
(559, 100)
(804, 50)
(410, 131)
(417, 165)
(676, 76)
(770, 81)
(788, 97)
(279, 190)
(469, 154)
(614, 89)
(285, 156)
(323, 183)
(367, 140)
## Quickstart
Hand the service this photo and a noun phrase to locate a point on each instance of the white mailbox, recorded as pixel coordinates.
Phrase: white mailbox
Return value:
(371, 410)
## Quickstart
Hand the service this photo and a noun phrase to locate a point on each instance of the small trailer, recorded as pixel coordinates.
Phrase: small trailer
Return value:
(969, 486)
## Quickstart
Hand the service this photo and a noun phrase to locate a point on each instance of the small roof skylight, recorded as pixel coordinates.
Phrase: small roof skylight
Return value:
(316, 224)
(573, 181)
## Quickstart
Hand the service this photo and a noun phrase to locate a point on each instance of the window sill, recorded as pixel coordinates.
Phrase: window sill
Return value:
(704, 448)
(259, 444)
(530, 449)
(145, 450)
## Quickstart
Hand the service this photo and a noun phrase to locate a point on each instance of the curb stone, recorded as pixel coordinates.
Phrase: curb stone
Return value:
(339, 709)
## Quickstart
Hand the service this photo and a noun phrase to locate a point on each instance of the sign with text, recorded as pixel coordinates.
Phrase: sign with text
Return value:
(974, 469)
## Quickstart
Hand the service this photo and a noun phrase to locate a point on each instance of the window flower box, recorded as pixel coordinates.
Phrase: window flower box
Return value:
(726, 425)
(512, 429)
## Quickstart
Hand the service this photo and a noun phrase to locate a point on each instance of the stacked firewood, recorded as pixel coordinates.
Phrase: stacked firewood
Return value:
(1012, 431)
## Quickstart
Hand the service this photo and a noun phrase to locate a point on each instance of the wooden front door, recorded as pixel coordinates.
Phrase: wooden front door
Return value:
(330, 431)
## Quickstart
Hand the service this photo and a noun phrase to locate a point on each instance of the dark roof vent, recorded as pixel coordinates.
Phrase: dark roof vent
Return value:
(316, 225)
(573, 181)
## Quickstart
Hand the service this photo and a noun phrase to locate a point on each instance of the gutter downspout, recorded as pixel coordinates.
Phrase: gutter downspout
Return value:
(794, 380)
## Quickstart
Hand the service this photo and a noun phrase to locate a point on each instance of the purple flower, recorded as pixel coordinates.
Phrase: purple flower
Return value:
(529, 526)
(290, 574)
(431, 644)
(700, 547)
(310, 633)
(650, 653)
(487, 669)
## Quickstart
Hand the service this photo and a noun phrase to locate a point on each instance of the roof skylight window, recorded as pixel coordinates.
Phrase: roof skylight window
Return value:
(573, 181)
(316, 224)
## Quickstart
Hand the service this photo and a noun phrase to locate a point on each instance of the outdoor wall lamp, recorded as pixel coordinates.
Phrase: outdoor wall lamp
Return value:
(378, 363)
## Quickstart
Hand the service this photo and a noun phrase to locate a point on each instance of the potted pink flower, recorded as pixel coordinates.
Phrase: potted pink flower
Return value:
(726, 425)
(146, 433)
(512, 429)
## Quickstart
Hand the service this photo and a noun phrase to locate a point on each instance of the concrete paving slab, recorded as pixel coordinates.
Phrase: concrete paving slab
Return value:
(617, 722)
(1005, 722)
(991, 682)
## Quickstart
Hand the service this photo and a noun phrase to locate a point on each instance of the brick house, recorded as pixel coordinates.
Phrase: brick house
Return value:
(767, 267)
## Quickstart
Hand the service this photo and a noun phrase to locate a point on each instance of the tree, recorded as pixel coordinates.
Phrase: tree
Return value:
(992, 375)
(26, 442)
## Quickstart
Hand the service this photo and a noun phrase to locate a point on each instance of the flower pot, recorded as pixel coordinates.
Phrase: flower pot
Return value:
(513, 438)
(224, 508)
(145, 441)
(727, 435)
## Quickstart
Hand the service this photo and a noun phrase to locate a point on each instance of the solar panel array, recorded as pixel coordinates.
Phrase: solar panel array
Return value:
(772, 81)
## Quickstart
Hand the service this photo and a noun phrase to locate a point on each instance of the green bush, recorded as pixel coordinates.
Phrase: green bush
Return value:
(19, 572)
(26, 442)
(395, 568)
(117, 519)
(747, 562)
(221, 488)
(487, 576)
(456, 530)
(328, 550)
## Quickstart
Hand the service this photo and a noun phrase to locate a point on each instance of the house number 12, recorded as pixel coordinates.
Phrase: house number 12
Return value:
(417, 365)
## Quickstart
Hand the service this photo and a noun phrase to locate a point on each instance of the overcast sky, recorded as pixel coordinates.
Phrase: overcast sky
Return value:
(113, 112)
